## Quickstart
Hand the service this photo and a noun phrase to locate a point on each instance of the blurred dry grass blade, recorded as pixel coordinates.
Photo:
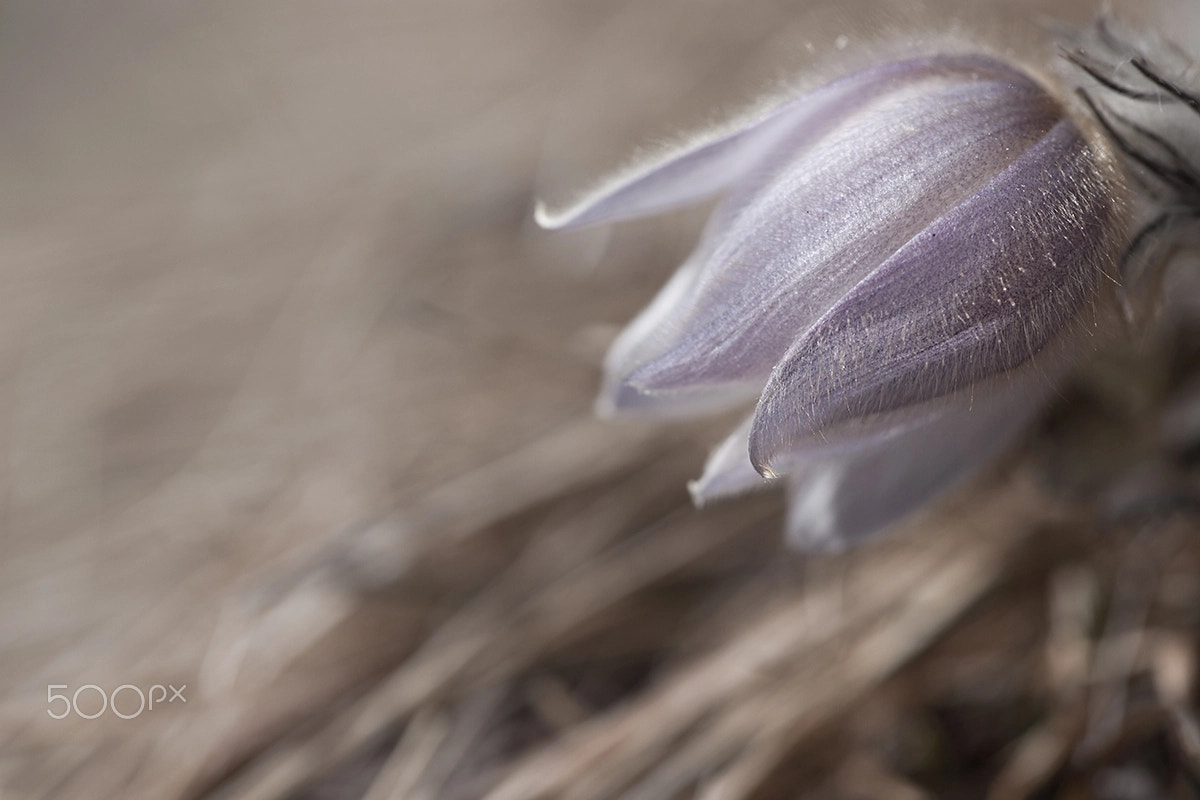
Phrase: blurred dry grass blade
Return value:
(790, 674)
(492, 637)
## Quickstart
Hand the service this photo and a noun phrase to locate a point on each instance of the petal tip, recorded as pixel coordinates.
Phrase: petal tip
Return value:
(545, 218)
(759, 458)
(618, 398)
(652, 377)
(674, 371)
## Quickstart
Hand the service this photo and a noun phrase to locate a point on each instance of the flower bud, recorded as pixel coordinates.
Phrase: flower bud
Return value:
(900, 264)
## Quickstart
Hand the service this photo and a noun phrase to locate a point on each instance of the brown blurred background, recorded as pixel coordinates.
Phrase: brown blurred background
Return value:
(289, 382)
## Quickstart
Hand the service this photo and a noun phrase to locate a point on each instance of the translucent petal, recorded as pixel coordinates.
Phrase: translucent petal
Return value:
(838, 502)
(728, 470)
(646, 336)
(716, 160)
(976, 293)
(824, 218)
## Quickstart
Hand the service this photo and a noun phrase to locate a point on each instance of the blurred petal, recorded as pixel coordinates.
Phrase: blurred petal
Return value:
(829, 215)
(979, 292)
(838, 502)
(728, 470)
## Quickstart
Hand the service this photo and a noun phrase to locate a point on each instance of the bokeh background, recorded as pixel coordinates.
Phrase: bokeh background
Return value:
(295, 409)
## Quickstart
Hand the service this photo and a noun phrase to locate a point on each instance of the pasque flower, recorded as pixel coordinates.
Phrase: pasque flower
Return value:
(899, 269)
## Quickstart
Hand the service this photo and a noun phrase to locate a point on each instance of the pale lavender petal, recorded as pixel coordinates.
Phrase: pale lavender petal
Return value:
(830, 214)
(728, 470)
(838, 502)
(649, 333)
(716, 160)
(977, 293)
(691, 173)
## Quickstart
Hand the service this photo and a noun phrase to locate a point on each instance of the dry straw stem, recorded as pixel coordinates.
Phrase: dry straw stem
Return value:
(796, 668)
(791, 673)
(547, 598)
(862, 775)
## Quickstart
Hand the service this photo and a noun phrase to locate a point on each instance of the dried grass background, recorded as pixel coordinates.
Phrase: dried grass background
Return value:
(297, 412)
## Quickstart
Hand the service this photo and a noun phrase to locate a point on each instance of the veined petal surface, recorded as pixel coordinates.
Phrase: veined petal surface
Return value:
(811, 224)
(977, 293)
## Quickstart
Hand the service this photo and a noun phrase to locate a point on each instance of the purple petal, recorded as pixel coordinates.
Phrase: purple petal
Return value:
(828, 215)
(838, 502)
(697, 170)
(728, 470)
(716, 160)
(977, 293)
(651, 332)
